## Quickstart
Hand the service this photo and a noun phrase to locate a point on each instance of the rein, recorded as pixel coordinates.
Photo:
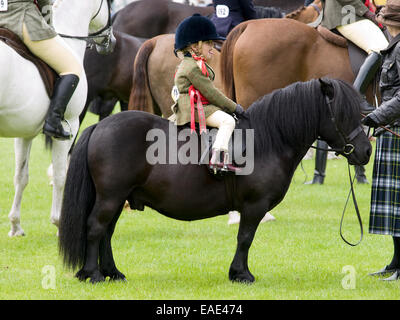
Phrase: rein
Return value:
(344, 150)
(98, 34)
(357, 212)
(347, 149)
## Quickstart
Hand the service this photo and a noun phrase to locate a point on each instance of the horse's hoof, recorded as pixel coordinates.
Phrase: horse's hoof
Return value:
(245, 277)
(362, 179)
(268, 217)
(95, 276)
(119, 277)
(234, 217)
(114, 275)
(16, 233)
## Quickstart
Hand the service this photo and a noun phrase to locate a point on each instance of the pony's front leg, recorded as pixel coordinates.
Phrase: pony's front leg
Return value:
(22, 148)
(239, 270)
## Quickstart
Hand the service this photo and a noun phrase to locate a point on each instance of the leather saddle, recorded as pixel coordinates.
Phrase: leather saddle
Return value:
(237, 143)
(356, 55)
(48, 75)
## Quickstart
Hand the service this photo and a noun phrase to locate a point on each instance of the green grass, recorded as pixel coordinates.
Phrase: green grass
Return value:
(298, 256)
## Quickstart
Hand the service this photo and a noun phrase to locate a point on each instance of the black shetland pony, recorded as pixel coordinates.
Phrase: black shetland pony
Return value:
(108, 166)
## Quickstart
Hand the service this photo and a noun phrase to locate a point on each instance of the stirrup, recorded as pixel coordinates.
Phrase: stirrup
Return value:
(227, 166)
(57, 133)
(215, 162)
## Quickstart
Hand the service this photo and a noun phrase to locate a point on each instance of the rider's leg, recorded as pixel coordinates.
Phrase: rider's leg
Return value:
(225, 124)
(62, 59)
(369, 37)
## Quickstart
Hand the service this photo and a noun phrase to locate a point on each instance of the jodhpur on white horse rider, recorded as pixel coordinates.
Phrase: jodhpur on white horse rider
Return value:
(24, 101)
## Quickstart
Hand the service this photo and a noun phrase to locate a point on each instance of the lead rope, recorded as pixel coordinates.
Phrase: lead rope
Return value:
(352, 193)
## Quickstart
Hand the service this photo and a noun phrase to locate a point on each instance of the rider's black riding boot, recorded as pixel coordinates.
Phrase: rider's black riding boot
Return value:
(360, 174)
(63, 90)
(367, 72)
(320, 163)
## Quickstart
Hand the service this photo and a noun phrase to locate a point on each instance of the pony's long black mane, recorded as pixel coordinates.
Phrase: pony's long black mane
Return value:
(290, 116)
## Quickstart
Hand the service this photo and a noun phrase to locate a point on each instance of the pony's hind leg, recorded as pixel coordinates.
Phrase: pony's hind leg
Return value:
(22, 148)
(99, 220)
(106, 259)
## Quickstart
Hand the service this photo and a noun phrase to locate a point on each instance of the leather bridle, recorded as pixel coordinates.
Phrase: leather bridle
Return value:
(348, 147)
(106, 32)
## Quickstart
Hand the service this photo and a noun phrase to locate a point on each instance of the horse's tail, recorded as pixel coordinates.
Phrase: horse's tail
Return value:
(79, 198)
(140, 97)
(226, 59)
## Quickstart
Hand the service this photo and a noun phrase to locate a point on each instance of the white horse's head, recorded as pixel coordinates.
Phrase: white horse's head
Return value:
(101, 27)
(88, 20)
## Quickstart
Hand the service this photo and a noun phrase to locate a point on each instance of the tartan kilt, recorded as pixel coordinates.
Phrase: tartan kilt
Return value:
(385, 194)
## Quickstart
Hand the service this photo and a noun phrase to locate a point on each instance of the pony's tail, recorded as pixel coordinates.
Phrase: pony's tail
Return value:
(79, 198)
(226, 61)
(140, 97)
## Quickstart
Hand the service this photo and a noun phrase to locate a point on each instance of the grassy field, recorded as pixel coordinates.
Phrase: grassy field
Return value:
(298, 256)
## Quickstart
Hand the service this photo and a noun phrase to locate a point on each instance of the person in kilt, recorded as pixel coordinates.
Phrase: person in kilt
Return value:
(385, 193)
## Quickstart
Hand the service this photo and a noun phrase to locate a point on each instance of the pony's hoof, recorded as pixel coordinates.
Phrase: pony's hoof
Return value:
(245, 277)
(115, 275)
(95, 276)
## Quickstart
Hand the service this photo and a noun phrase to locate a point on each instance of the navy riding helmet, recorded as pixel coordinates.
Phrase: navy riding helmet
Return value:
(194, 29)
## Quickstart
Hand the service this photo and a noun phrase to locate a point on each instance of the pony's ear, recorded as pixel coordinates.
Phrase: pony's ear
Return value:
(326, 88)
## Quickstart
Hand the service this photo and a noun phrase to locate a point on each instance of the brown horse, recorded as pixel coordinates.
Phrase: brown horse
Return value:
(150, 18)
(150, 91)
(297, 53)
(153, 76)
(307, 14)
(285, 5)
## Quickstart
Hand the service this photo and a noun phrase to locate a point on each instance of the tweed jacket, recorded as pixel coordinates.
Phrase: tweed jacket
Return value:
(388, 113)
(25, 11)
(188, 73)
(336, 14)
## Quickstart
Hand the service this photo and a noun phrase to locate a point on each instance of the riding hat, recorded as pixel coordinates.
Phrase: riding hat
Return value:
(194, 29)
(390, 14)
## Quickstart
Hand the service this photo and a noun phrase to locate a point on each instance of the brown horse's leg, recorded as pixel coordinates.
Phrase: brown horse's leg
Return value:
(101, 216)
(249, 221)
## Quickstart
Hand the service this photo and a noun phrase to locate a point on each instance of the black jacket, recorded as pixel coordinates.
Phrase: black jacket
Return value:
(388, 113)
(239, 11)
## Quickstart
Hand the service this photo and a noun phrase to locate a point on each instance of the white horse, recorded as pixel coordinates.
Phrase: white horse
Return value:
(24, 102)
